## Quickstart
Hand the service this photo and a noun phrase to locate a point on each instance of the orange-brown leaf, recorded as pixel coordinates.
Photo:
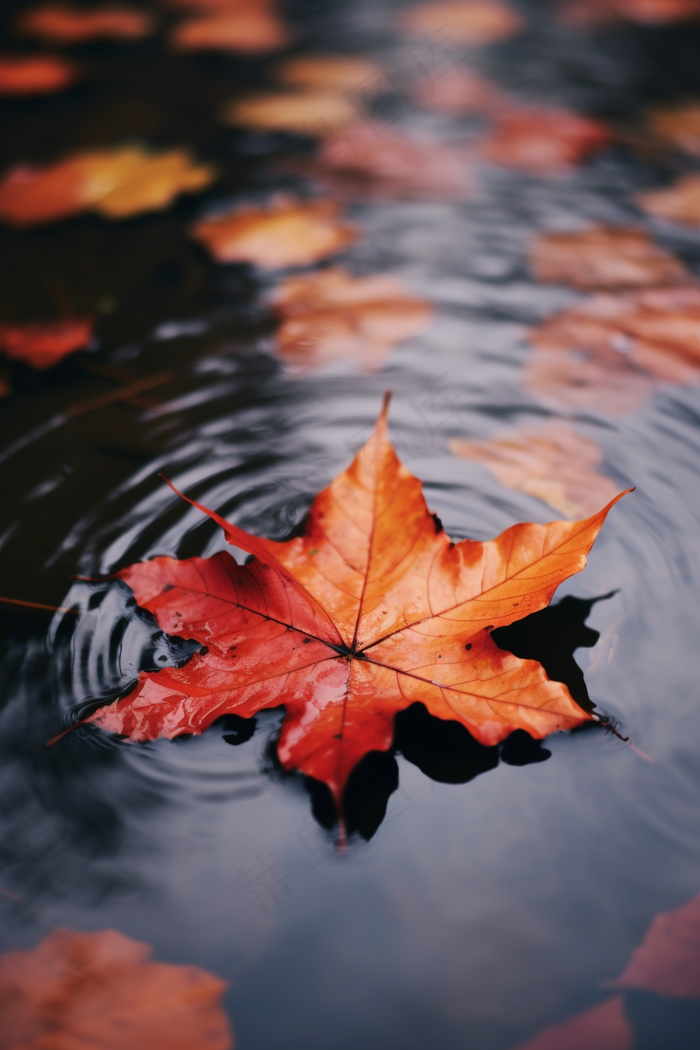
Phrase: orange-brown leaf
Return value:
(475, 22)
(361, 161)
(44, 345)
(115, 183)
(457, 92)
(331, 73)
(649, 12)
(35, 74)
(605, 257)
(543, 141)
(245, 28)
(72, 25)
(549, 461)
(372, 609)
(100, 990)
(609, 352)
(679, 203)
(285, 233)
(332, 315)
(305, 112)
(677, 126)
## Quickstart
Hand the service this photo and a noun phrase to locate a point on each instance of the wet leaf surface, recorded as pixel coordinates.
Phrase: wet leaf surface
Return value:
(44, 345)
(604, 257)
(474, 22)
(549, 461)
(252, 29)
(309, 112)
(332, 315)
(371, 610)
(647, 12)
(457, 91)
(678, 203)
(543, 141)
(115, 183)
(677, 126)
(285, 233)
(331, 73)
(101, 990)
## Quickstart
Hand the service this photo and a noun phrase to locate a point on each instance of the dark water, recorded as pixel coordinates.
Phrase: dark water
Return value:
(478, 911)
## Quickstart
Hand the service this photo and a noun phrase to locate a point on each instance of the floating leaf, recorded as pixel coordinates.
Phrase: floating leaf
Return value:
(303, 112)
(543, 141)
(115, 183)
(101, 991)
(679, 203)
(362, 161)
(604, 257)
(549, 461)
(331, 73)
(73, 25)
(677, 126)
(372, 609)
(285, 233)
(603, 1027)
(243, 28)
(609, 352)
(474, 22)
(44, 345)
(332, 315)
(35, 74)
(649, 12)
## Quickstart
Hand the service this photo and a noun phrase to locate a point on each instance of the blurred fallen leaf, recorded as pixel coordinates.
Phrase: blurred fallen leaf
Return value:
(73, 25)
(467, 21)
(44, 345)
(379, 163)
(679, 203)
(332, 315)
(609, 352)
(35, 74)
(602, 1027)
(100, 991)
(604, 257)
(677, 126)
(547, 460)
(457, 92)
(117, 183)
(246, 28)
(653, 12)
(284, 233)
(331, 73)
(312, 112)
(543, 141)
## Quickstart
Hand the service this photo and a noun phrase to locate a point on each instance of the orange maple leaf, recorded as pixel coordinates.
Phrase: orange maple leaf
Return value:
(70, 25)
(373, 609)
(35, 74)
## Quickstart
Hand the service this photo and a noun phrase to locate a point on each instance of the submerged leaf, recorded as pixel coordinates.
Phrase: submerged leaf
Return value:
(649, 12)
(35, 74)
(605, 257)
(285, 233)
(609, 352)
(331, 315)
(677, 126)
(456, 92)
(73, 25)
(331, 73)
(44, 345)
(101, 991)
(474, 22)
(372, 609)
(311, 112)
(543, 141)
(549, 461)
(602, 1027)
(115, 183)
(667, 962)
(363, 161)
(679, 203)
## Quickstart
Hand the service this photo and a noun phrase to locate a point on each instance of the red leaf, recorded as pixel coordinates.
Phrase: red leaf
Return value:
(371, 610)
(543, 141)
(649, 12)
(44, 345)
(472, 22)
(667, 962)
(35, 74)
(603, 1027)
(100, 990)
(71, 25)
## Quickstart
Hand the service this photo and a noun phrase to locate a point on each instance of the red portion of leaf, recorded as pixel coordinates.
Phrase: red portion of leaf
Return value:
(100, 991)
(603, 1027)
(35, 74)
(71, 25)
(472, 22)
(371, 610)
(44, 345)
(544, 141)
(668, 960)
(650, 12)
(678, 203)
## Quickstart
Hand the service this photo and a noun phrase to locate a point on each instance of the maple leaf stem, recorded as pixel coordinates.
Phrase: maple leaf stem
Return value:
(40, 605)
